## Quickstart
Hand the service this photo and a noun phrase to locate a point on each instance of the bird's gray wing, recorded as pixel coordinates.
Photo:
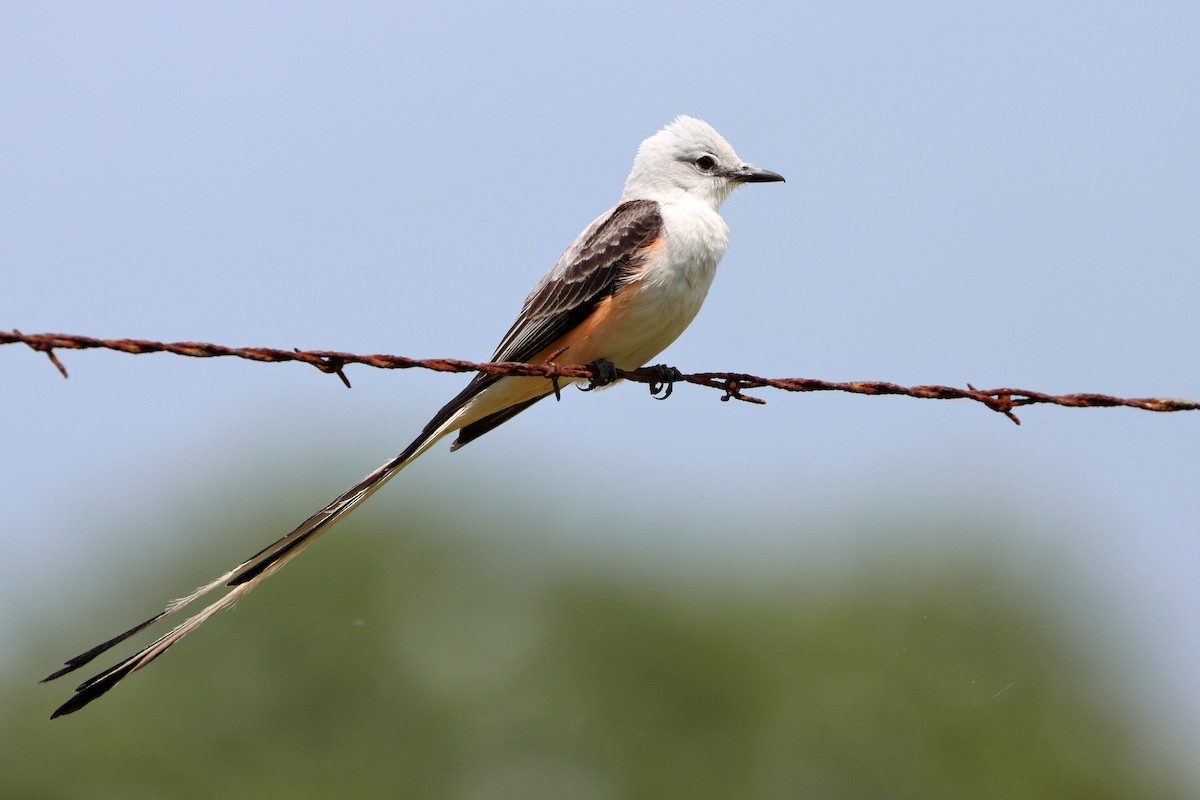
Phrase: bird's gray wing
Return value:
(595, 266)
(592, 268)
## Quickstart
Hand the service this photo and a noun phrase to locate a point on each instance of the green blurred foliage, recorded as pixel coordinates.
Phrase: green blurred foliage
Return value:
(439, 663)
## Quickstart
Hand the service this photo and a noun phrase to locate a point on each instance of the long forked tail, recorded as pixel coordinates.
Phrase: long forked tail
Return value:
(241, 579)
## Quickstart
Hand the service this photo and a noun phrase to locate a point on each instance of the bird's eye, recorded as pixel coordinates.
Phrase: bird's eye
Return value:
(706, 163)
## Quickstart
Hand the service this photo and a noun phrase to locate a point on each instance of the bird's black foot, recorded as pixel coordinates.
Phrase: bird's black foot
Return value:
(606, 373)
(664, 381)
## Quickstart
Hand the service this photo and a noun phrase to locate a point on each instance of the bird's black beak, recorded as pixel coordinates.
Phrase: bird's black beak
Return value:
(748, 173)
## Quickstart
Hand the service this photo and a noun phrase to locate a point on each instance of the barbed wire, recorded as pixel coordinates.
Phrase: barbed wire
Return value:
(661, 378)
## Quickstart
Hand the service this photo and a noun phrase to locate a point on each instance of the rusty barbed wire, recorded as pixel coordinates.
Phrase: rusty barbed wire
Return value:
(660, 379)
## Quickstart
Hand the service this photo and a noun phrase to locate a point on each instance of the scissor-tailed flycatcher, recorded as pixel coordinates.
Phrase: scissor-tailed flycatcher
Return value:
(627, 287)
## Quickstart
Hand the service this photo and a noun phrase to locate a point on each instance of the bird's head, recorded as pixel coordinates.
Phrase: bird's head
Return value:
(689, 157)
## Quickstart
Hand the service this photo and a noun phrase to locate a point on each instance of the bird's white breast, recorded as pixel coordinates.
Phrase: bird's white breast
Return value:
(665, 296)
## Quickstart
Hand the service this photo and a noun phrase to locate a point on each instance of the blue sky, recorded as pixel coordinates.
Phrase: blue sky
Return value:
(1005, 195)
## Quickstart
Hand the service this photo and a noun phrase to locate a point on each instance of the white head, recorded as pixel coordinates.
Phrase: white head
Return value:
(688, 157)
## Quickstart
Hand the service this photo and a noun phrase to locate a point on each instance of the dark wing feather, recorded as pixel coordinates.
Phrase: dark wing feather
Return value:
(593, 268)
(590, 270)
(469, 433)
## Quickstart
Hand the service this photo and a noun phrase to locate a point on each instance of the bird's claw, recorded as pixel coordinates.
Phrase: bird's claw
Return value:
(606, 373)
(664, 381)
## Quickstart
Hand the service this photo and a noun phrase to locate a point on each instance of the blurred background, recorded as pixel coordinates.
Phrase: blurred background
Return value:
(826, 596)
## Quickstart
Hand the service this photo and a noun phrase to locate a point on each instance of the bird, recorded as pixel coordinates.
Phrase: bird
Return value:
(627, 287)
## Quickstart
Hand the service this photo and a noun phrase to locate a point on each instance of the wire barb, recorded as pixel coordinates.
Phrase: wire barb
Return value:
(46, 348)
(332, 364)
(732, 385)
(555, 376)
